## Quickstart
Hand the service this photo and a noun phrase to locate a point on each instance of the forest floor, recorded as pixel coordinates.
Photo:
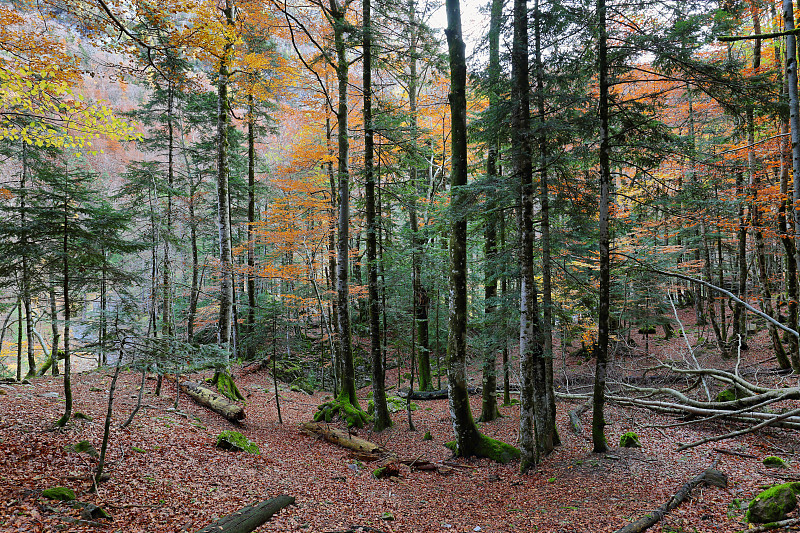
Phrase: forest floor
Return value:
(168, 476)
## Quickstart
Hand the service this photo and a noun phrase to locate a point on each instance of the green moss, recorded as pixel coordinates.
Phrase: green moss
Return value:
(774, 462)
(773, 504)
(83, 446)
(81, 416)
(235, 441)
(227, 387)
(354, 416)
(490, 448)
(427, 436)
(59, 493)
(630, 440)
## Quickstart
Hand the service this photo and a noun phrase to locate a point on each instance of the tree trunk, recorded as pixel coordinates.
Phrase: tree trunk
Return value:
(225, 322)
(598, 420)
(216, 402)
(251, 219)
(382, 418)
(466, 433)
(794, 116)
(65, 271)
(489, 410)
(550, 437)
(347, 387)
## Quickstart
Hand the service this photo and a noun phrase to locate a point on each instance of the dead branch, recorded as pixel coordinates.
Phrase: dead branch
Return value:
(769, 422)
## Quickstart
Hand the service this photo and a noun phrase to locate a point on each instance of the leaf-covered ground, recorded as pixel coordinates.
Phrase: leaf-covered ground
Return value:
(167, 475)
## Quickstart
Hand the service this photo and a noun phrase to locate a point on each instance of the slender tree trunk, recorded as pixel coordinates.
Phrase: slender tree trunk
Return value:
(225, 322)
(489, 410)
(550, 438)
(65, 273)
(53, 323)
(26, 273)
(194, 291)
(19, 340)
(533, 412)
(466, 432)
(598, 419)
(382, 418)
(251, 220)
(345, 348)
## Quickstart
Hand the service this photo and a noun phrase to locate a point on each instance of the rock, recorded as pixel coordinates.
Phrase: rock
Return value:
(49, 395)
(774, 462)
(630, 440)
(59, 493)
(235, 441)
(773, 504)
(93, 512)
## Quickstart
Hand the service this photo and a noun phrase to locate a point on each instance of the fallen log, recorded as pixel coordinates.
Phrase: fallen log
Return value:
(249, 518)
(216, 402)
(343, 439)
(710, 476)
(575, 418)
(440, 394)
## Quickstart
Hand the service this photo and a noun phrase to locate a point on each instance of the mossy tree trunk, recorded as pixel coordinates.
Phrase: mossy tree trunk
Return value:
(382, 418)
(466, 432)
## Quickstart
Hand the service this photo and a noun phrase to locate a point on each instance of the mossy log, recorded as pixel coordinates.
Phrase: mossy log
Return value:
(214, 401)
(575, 418)
(249, 518)
(710, 476)
(343, 439)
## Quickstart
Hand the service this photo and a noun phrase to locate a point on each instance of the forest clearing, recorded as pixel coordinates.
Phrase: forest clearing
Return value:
(167, 474)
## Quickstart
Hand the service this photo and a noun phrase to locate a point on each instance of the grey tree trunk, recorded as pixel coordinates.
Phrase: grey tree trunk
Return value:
(65, 271)
(251, 219)
(225, 322)
(345, 350)
(794, 115)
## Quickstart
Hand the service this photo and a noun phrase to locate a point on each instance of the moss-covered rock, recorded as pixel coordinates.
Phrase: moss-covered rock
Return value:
(774, 462)
(353, 415)
(83, 446)
(235, 441)
(59, 493)
(773, 504)
(630, 440)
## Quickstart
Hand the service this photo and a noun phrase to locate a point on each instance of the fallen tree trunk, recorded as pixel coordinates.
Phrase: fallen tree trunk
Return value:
(710, 476)
(216, 402)
(575, 418)
(249, 518)
(440, 394)
(343, 439)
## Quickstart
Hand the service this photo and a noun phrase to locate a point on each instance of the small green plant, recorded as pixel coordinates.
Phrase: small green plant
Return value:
(427, 436)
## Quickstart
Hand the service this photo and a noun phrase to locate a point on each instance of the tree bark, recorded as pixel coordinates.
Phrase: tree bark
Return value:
(489, 410)
(216, 402)
(249, 518)
(598, 420)
(382, 418)
(466, 432)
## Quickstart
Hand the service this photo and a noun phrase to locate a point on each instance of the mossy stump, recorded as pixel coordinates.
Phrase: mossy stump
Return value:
(490, 448)
(352, 415)
(773, 504)
(83, 446)
(629, 440)
(59, 493)
(235, 441)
